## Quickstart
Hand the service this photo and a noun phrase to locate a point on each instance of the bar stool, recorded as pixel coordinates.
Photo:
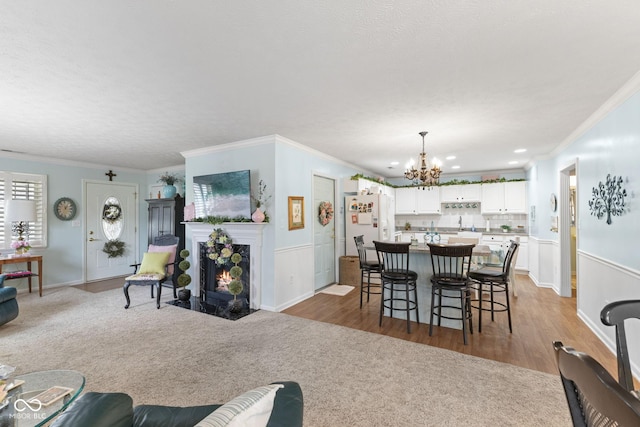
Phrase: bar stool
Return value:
(451, 265)
(399, 284)
(368, 267)
(497, 280)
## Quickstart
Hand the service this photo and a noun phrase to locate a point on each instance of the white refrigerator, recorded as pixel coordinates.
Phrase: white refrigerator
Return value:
(371, 216)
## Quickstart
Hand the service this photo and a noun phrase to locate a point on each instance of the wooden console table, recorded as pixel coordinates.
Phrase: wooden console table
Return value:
(28, 273)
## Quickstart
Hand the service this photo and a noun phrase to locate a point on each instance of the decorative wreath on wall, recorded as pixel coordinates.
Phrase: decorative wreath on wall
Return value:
(114, 248)
(325, 213)
(111, 212)
(219, 246)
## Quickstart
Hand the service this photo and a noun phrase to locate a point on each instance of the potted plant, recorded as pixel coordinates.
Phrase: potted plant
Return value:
(505, 228)
(168, 179)
(235, 287)
(184, 279)
(407, 226)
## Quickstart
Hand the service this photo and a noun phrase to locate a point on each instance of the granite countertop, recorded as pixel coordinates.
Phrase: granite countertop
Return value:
(453, 230)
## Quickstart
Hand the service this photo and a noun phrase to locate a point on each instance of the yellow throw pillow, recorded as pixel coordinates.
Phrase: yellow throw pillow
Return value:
(154, 262)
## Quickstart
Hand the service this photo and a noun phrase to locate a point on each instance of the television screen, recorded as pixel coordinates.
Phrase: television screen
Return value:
(223, 194)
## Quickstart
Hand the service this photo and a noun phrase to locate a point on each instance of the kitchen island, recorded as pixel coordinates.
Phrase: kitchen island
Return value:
(420, 262)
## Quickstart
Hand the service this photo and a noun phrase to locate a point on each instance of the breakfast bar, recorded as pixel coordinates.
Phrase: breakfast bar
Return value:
(420, 262)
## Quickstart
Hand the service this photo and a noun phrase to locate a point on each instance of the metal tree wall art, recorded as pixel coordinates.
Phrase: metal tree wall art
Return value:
(608, 198)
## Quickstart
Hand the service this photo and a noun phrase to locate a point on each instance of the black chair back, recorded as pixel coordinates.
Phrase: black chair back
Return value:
(511, 252)
(450, 263)
(614, 314)
(362, 253)
(594, 397)
(394, 259)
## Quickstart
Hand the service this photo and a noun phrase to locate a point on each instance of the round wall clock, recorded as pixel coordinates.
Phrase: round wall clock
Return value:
(554, 202)
(64, 208)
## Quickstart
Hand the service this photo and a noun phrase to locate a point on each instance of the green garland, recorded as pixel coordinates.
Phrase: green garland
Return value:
(114, 248)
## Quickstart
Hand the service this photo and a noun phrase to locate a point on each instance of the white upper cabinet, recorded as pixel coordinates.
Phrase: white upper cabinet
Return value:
(504, 197)
(461, 193)
(414, 200)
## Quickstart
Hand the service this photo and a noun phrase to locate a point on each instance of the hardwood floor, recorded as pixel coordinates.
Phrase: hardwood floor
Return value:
(539, 317)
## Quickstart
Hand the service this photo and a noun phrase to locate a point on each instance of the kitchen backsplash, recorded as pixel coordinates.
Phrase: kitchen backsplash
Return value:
(470, 217)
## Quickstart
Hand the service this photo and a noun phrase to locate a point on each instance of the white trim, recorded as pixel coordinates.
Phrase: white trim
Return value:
(62, 162)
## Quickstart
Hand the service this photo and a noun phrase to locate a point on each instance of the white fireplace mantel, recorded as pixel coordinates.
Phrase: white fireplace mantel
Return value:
(242, 233)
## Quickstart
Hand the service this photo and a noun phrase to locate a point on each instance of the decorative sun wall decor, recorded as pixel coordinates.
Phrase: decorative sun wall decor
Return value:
(608, 198)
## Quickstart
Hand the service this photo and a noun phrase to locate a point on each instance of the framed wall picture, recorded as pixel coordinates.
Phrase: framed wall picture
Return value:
(296, 212)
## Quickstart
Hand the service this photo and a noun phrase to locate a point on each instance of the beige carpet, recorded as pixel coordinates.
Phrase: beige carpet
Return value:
(175, 356)
(340, 290)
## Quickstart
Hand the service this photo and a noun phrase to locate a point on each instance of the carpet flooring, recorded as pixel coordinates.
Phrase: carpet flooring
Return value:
(174, 356)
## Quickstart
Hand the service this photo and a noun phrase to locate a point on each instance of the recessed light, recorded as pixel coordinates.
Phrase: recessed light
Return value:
(455, 167)
(520, 150)
(514, 162)
(395, 163)
(450, 157)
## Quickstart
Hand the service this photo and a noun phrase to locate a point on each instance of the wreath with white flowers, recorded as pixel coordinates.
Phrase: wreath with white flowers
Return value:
(219, 247)
(325, 213)
(111, 212)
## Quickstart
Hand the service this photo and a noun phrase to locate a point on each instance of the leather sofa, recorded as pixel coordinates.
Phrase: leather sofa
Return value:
(116, 410)
(8, 302)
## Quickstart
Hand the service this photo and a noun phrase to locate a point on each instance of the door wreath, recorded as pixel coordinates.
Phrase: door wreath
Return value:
(325, 213)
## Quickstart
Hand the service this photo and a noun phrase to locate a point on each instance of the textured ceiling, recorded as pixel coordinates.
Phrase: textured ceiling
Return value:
(133, 83)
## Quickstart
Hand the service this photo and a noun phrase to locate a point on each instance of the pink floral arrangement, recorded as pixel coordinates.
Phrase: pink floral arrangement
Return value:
(21, 244)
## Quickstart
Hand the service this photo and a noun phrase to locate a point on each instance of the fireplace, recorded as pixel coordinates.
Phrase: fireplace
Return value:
(215, 280)
(242, 233)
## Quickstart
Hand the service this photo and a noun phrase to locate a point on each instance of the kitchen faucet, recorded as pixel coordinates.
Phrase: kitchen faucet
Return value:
(460, 223)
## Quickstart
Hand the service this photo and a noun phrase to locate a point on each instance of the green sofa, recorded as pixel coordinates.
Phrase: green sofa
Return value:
(116, 410)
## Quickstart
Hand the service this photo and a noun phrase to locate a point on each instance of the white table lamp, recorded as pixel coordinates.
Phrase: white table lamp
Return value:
(22, 212)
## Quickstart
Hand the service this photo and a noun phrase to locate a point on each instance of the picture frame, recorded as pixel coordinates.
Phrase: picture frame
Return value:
(296, 212)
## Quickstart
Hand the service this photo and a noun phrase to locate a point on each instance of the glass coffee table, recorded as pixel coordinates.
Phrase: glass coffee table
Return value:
(21, 412)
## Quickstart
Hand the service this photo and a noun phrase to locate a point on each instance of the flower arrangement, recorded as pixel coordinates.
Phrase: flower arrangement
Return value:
(325, 213)
(219, 246)
(21, 245)
(169, 178)
(262, 198)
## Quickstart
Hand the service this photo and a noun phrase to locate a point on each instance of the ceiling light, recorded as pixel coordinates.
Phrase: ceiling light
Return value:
(455, 167)
(394, 163)
(520, 150)
(450, 157)
(513, 162)
(424, 176)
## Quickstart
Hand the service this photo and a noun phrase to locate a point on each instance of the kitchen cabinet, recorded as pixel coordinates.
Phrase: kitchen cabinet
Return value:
(504, 197)
(415, 200)
(165, 217)
(461, 193)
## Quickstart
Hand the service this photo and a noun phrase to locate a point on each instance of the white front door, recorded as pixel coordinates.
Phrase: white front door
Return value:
(323, 236)
(111, 213)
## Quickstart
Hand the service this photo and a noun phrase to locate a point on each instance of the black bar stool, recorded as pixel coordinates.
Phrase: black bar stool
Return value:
(398, 282)
(497, 280)
(451, 265)
(368, 267)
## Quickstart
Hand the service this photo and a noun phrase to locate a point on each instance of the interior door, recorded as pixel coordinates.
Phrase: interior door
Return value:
(111, 214)
(324, 249)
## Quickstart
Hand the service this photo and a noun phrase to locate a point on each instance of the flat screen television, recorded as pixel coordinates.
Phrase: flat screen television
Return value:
(223, 194)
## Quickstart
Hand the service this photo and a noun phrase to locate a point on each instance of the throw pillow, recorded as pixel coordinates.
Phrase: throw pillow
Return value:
(172, 257)
(251, 409)
(154, 262)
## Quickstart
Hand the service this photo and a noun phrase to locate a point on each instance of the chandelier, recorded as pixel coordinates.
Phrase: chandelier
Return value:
(423, 176)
